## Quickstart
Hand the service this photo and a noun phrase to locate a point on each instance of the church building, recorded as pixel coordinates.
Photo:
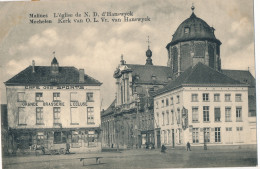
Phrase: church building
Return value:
(204, 105)
(192, 99)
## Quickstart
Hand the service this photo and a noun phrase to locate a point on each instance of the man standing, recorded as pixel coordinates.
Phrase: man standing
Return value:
(188, 146)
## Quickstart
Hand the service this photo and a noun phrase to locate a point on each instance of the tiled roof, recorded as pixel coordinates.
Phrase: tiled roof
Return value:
(200, 75)
(43, 76)
(243, 76)
(198, 30)
(150, 74)
(110, 109)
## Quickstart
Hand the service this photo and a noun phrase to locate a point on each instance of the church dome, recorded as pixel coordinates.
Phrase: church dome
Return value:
(193, 28)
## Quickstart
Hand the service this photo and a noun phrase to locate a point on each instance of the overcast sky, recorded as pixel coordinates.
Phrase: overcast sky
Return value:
(97, 47)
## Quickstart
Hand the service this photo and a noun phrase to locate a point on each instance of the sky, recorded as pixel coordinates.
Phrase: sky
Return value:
(97, 47)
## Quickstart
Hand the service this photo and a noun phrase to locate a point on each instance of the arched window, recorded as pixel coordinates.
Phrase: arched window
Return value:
(211, 56)
(199, 50)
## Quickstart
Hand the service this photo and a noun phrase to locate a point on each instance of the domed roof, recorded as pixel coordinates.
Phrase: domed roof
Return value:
(193, 28)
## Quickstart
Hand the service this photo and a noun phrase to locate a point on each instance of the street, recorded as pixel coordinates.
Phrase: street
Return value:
(179, 158)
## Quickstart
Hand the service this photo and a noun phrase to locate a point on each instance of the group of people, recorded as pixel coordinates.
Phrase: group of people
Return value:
(163, 148)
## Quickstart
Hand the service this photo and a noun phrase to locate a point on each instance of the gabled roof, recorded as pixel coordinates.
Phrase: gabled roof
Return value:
(110, 109)
(146, 73)
(200, 75)
(244, 76)
(43, 76)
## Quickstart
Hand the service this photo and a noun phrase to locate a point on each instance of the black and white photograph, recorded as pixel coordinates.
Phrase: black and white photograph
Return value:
(115, 84)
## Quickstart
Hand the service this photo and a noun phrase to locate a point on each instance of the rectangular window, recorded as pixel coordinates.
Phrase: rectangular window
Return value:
(228, 114)
(178, 99)
(172, 116)
(239, 114)
(195, 114)
(22, 118)
(56, 115)
(157, 105)
(56, 96)
(171, 100)
(165, 137)
(169, 136)
(228, 128)
(217, 114)
(167, 102)
(207, 135)
(73, 96)
(90, 114)
(39, 115)
(74, 115)
(238, 97)
(162, 103)
(216, 97)
(227, 97)
(178, 116)
(239, 128)
(158, 119)
(205, 113)
(167, 117)
(205, 97)
(194, 97)
(20, 97)
(163, 118)
(217, 135)
(195, 135)
(90, 97)
(38, 97)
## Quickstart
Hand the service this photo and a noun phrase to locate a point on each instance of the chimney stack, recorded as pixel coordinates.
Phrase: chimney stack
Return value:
(81, 75)
(33, 66)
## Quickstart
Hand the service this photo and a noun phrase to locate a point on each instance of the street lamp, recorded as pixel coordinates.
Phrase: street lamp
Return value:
(205, 141)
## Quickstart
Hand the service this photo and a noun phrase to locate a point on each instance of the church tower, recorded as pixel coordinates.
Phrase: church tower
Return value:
(194, 41)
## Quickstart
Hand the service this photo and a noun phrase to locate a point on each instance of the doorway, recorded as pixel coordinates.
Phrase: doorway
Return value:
(158, 139)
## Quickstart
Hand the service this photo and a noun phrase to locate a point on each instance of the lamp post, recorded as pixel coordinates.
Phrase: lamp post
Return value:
(137, 119)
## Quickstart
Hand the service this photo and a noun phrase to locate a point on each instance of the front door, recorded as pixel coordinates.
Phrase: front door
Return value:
(173, 139)
(158, 139)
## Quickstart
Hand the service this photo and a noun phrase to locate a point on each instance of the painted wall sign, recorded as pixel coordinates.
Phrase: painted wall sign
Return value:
(56, 87)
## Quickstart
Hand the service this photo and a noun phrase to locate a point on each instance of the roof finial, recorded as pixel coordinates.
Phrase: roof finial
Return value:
(192, 7)
(122, 60)
(148, 42)
(53, 53)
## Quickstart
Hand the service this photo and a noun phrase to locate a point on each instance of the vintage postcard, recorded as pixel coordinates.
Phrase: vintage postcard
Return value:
(128, 84)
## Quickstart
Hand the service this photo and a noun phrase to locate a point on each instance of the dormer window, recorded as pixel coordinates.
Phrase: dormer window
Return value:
(186, 30)
(153, 77)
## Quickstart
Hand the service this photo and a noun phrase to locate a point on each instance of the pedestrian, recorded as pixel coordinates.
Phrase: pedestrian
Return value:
(163, 149)
(188, 146)
(67, 147)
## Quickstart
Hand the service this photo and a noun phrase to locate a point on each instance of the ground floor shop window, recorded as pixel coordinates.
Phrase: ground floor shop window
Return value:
(143, 138)
(59, 137)
(91, 138)
(40, 138)
(195, 135)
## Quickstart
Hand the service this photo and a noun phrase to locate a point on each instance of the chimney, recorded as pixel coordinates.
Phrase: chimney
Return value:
(81, 75)
(33, 66)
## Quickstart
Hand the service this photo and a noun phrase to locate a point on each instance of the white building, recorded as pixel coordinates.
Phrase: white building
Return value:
(52, 106)
(202, 105)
